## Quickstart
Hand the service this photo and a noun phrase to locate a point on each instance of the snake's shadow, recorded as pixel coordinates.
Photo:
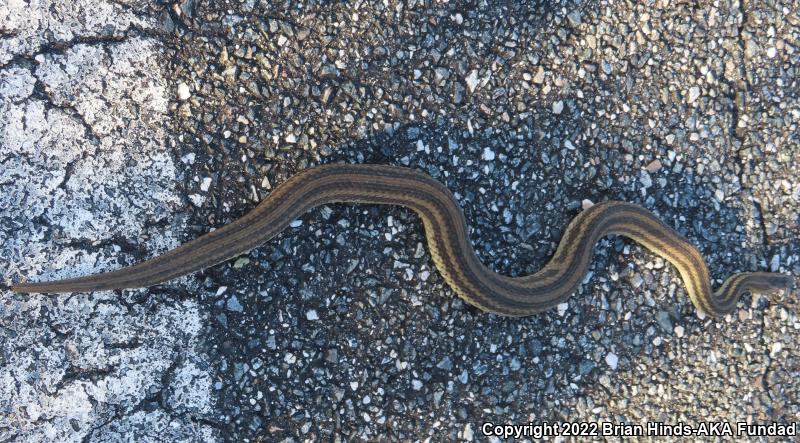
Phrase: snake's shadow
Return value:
(347, 311)
(357, 277)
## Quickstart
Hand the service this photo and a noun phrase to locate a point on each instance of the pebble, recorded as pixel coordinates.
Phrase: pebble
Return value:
(645, 179)
(777, 347)
(467, 433)
(662, 317)
(445, 364)
(574, 18)
(612, 360)
(775, 263)
(694, 93)
(332, 356)
(586, 367)
(183, 91)
(654, 166)
(472, 80)
(234, 305)
(539, 77)
(441, 74)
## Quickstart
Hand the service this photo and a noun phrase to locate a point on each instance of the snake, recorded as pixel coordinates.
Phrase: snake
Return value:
(448, 243)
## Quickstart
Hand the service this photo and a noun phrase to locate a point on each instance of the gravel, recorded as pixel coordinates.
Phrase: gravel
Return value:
(148, 124)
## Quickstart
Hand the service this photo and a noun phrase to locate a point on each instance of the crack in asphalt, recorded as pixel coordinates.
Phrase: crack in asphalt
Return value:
(73, 374)
(739, 95)
(59, 47)
(768, 363)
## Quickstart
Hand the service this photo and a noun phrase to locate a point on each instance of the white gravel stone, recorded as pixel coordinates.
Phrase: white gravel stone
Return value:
(467, 433)
(694, 93)
(612, 360)
(539, 77)
(776, 348)
(775, 263)
(183, 91)
(472, 80)
(772, 52)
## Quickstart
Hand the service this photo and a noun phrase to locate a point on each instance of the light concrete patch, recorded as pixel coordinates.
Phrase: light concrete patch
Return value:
(30, 26)
(87, 172)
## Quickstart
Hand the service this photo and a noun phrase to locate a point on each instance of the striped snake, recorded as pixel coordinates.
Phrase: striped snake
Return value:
(448, 243)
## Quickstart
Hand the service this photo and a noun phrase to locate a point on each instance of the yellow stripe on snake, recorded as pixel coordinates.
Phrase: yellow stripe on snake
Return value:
(448, 242)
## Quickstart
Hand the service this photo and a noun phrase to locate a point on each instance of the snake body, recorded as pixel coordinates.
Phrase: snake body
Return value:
(448, 244)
